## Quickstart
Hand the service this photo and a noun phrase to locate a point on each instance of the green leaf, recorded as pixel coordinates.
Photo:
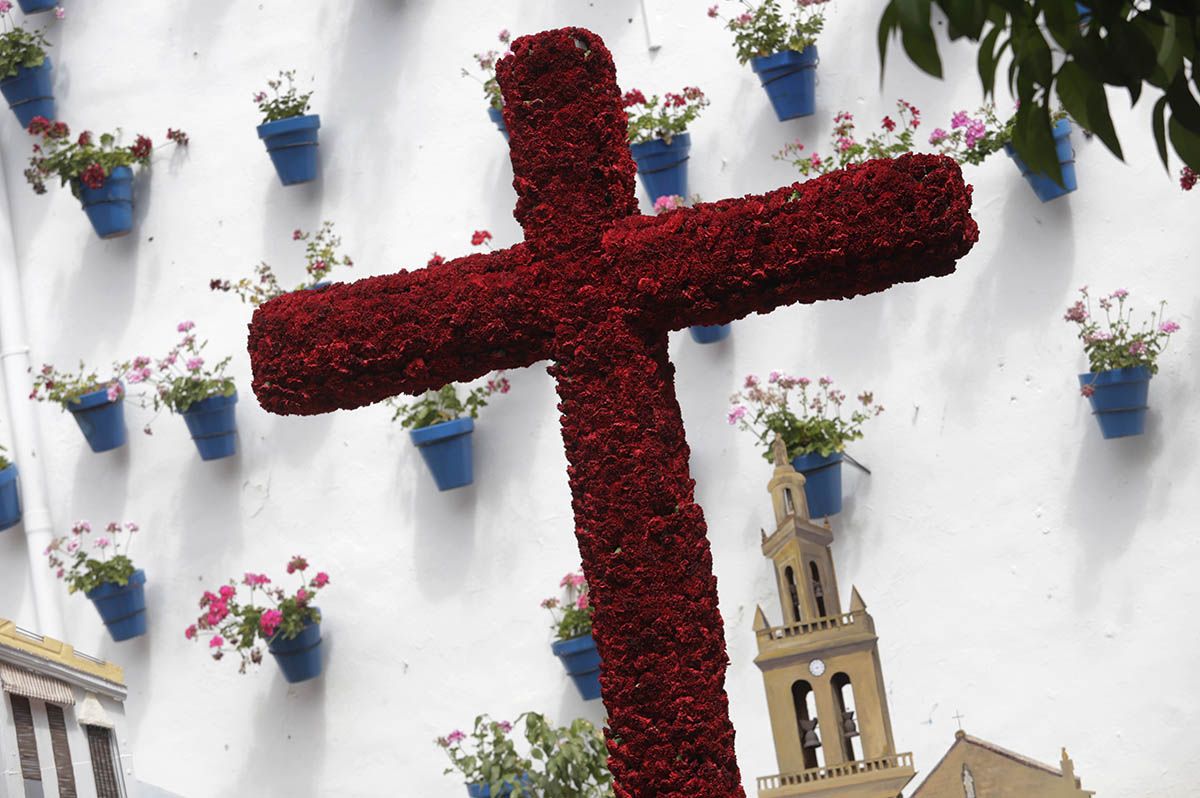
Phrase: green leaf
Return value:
(989, 58)
(1159, 120)
(1183, 104)
(1034, 141)
(1085, 100)
(916, 34)
(1186, 143)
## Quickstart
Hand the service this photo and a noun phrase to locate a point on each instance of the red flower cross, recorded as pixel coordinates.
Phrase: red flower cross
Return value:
(595, 288)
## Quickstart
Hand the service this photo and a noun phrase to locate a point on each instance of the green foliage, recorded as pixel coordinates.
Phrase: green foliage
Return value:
(20, 47)
(284, 103)
(807, 422)
(85, 563)
(50, 385)
(573, 612)
(4, 461)
(563, 762)
(83, 161)
(1117, 344)
(487, 66)
(765, 29)
(444, 404)
(1119, 43)
(649, 121)
(181, 378)
(884, 143)
(229, 623)
(320, 255)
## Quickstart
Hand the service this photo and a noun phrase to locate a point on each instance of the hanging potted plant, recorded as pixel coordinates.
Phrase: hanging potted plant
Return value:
(320, 254)
(701, 333)
(573, 635)
(659, 139)
(205, 397)
(781, 48)
(809, 421)
(973, 139)
(289, 134)
(491, 88)
(38, 6)
(26, 76)
(97, 405)
(1121, 360)
(287, 623)
(10, 497)
(100, 175)
(890, 141)
(564, 762)
(101, 568)
(440, 424)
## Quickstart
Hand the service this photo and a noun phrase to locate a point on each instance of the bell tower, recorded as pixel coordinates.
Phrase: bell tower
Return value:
(821, 669)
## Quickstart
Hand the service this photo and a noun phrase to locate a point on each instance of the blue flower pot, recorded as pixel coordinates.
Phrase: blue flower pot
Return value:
(213, 425)
(102, 421)
(30, 92)
(122, 608)
(292, 145)
(582, 661)
(446, 449)
(663, 167)
(10, 498)
(1119, 400)
(790, 78)
(110, 207)
(300, 657)
(485, 790)
(36, 7)
(1043, 185)
(822, 482)
(709, 334)
(497, 117)
(1085, 13)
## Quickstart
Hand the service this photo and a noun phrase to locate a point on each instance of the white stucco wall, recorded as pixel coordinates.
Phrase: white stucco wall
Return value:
(1020, 569)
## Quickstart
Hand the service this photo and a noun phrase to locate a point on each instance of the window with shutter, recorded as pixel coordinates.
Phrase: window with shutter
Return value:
(104, 767)
(26, 742)
(62, 751)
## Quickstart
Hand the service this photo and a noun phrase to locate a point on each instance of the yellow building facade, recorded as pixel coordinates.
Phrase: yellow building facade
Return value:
(821, 667)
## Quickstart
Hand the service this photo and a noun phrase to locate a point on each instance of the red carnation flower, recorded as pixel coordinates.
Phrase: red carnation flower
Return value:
(480, 237)
(436, 260)
(93, 176)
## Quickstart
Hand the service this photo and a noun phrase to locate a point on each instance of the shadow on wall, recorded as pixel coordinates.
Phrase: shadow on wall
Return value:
(1108, 497)
(295, 712)
(101, 483)
(106, 269)
(445, 532)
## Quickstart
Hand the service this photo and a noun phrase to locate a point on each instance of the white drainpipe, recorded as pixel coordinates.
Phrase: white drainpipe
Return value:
(25, 443)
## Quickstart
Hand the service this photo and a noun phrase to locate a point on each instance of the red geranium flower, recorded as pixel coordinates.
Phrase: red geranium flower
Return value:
(141, 148)
(633, 97)
(93, 176)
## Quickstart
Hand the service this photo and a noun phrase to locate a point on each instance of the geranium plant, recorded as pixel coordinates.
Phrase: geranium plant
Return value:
(1114, 342)
(563, 762)
(446, 404)
(573, 612)
(652, 118)
(4, 461)
(65, 387)
(267, 613)
(772, 26)
(1188, 178)
(285, 101)
(807, 418)
(487, 67)
(86, 160)
(85, 562)
(181, 377)
(971, 139)
(891, 140)
(18, 47)
(320, 256)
